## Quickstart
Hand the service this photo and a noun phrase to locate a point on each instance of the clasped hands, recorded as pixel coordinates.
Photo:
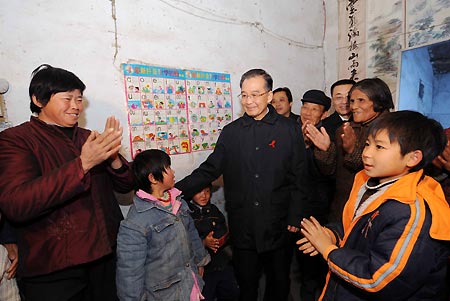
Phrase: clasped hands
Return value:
(103, 146)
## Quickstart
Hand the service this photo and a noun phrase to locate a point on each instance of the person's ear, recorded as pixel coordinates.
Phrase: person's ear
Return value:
(152, 179)
(414, 158)
(269, 97)
(36, 101)
(324, 115)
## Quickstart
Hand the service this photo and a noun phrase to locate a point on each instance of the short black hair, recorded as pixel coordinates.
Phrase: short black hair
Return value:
(151, 161)
(285, 90)
(209, 185)
(377, 91)
(341, 82)
(413, 131)
(47, 81)
(258, 72)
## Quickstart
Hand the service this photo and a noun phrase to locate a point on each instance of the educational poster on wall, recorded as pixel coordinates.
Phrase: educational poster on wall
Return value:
(177, 111)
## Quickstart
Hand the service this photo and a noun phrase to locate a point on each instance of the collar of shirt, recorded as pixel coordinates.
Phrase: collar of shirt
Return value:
(373, 189)
(343, 119)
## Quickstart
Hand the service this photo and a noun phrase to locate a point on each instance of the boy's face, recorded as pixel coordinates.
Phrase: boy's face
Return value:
(202, 197)
(168, 178)
(63, 108)
(281, 103)
(382, 159)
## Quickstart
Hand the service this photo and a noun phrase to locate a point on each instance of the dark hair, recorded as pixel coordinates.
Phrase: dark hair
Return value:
(413, 131)
(209, 185)
(47, 81)
(377, 91)
(258, 72)
(151, 161)
(342, 82)
(285, 90)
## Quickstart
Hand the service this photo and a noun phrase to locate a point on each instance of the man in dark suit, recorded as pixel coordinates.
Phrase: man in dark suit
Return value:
(342, 113)
(261, 156)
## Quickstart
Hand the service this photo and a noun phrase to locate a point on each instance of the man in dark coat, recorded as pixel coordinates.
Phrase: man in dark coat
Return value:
(314, 110)
(282, 102)
(341, 104)
(262, 158)
(313, 269)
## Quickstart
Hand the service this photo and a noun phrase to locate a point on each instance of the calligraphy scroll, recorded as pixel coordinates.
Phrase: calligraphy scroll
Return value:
(352, 36)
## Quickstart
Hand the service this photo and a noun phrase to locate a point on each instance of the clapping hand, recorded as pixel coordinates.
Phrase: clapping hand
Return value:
(306, 247)
(317, 238)
(113, 123)
(100, 147)
(348, 138)
(320, 139)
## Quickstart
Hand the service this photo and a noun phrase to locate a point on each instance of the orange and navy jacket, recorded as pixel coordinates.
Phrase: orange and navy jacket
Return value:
(397, 249)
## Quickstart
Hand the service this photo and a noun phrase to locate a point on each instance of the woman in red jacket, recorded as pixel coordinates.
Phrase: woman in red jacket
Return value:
(57, 189)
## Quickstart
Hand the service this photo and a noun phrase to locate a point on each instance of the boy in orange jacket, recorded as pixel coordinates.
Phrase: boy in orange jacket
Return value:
(393, 240)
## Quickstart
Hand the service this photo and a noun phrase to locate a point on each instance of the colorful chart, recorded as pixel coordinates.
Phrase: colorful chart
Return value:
(177, 111)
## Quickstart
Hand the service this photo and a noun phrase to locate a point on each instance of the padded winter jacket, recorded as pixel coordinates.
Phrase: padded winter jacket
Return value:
(397, 249)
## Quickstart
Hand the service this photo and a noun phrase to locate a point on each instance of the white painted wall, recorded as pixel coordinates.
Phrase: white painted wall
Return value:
(92, 38)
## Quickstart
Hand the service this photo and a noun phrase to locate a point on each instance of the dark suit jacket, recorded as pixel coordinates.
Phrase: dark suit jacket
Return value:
(331, 124)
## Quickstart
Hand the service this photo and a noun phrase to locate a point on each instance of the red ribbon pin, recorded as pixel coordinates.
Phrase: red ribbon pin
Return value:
(272, 144)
